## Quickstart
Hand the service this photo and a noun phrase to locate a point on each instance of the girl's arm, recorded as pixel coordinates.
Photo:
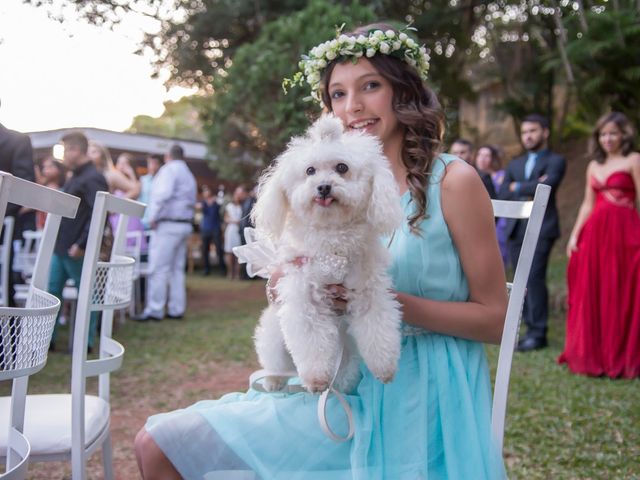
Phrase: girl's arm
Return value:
(585, 210)
(119, 181)
(467, 210)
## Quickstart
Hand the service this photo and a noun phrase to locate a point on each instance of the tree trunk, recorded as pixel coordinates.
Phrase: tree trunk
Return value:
(583, 20)
(562, 42)
(616, 9)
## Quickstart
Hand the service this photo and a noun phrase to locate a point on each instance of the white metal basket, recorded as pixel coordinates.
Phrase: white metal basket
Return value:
(25, 334)
(113, 283)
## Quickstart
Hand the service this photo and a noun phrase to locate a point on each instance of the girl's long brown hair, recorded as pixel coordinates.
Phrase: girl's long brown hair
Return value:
(418, 111)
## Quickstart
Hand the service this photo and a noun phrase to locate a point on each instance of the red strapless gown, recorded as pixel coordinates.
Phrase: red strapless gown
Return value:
(603, 278)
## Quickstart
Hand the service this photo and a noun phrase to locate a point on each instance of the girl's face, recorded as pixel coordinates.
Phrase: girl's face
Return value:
(49, 170)
(610, 138)
(123, 163)
(483, 159)
(362, 99)
(95, 155)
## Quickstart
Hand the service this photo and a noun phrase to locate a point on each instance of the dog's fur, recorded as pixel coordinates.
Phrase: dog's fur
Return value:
(301, 330)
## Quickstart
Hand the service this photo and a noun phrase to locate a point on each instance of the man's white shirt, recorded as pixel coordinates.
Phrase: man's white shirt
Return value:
(173, 194)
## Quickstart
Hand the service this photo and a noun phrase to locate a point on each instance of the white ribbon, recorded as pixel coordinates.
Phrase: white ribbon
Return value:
(258, 254)
(322, 405)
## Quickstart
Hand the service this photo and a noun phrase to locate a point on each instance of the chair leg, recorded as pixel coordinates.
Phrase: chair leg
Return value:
(132, 303)
(79, 466)
(72, 324)
(107, 455)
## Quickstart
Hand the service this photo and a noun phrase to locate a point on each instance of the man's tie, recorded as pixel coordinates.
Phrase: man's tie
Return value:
(530, 164)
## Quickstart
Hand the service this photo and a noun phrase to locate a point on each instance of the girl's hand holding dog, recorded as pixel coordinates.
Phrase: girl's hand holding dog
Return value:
(338, 294)
(335, 292)
(276, 274)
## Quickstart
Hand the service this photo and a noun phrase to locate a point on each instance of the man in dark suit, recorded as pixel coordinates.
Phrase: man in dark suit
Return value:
(463, 149)
(16, 158)
(537, 165)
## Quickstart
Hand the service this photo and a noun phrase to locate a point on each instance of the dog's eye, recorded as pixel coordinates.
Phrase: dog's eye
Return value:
(342, 168)
(311, 171)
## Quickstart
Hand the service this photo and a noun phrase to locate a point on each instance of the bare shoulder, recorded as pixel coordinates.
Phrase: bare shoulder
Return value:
(459, 176)
(463, 193)
(634, 160)
(592, 166)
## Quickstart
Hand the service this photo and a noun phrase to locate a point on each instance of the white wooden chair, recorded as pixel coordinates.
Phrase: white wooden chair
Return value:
(25, 333)
(5, 258)
(73, 426)
(24, 262)
(134, 250)
(534, 211)
(143, 269)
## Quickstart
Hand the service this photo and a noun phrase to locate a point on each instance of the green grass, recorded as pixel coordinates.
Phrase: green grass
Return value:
(559, 425)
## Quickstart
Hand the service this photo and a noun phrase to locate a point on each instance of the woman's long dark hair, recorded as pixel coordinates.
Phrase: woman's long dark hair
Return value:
(596, 152)
(419, 113)
(496, 157)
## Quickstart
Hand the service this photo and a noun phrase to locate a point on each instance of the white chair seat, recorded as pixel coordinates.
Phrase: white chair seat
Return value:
(47, 422)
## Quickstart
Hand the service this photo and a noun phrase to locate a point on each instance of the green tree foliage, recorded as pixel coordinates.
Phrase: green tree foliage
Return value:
(180, 119)
(603, 52)
(567, 59)
(252, 118)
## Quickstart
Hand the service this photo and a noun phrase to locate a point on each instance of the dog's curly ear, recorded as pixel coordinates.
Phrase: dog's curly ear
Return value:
(327, 127)
(385, 209)
(269, 214)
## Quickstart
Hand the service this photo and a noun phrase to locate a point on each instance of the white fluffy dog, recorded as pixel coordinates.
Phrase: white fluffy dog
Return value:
(329, 197)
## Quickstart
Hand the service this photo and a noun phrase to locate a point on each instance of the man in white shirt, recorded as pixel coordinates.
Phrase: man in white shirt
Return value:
(171, 207)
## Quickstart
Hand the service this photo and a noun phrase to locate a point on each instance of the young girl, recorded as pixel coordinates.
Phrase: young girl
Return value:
(603, 275)
(433, 420)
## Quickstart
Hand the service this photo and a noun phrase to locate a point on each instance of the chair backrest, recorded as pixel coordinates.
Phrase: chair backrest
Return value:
(5, 259)
(26, 258)
(25, 333)
(104, 286)
(533, 211)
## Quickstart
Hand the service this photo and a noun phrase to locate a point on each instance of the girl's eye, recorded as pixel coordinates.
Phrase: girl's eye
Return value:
(311, 171)
(342, 168)
(371, 85)
(336, 94)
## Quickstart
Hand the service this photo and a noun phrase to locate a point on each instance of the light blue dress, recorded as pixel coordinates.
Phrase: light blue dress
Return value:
(431, 422)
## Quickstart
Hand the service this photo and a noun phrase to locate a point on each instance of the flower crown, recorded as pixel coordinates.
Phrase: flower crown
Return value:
(398, 45)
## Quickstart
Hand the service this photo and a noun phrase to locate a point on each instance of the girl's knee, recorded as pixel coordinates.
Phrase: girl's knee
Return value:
(143, 443)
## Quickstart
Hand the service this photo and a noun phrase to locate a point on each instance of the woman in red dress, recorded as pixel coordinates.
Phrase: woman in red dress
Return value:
(603, 275)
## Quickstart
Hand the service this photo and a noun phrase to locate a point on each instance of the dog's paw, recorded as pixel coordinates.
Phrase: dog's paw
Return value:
(386, 378)
(274, 383)
(315, 384)
(384, 373)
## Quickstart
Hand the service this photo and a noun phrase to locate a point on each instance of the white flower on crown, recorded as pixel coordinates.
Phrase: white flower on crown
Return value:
(375, 42)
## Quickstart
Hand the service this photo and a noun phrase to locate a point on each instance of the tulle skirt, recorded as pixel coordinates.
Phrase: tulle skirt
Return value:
(431, 422)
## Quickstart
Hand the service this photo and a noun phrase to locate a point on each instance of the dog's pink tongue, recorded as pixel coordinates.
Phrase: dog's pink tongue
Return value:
(325, 202)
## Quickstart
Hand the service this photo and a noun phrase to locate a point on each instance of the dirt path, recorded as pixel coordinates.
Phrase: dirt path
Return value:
(130, 413)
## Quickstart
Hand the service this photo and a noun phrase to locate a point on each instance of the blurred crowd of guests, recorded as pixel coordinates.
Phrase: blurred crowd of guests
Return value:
(518, 181)
(603, 276)
(174, 212)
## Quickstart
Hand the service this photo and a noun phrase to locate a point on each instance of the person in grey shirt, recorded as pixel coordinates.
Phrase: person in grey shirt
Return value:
(170, 212)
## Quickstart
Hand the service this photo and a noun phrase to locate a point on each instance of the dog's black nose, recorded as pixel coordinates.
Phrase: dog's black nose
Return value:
(324, 190)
